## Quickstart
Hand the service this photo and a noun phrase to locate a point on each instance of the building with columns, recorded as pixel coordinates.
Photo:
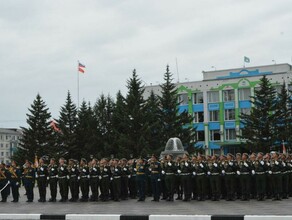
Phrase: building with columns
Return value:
(9, 141)
(217, 101)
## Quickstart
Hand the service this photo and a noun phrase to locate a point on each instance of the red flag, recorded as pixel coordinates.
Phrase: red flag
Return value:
(54, 126)
(81, 68)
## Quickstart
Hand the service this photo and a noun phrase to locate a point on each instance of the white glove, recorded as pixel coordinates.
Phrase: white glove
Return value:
(283, 164)
(223, 172)
(163, 172)
(84, 170)
(68, 177)
(178, 171)
(245, 164)
(253, 172)
(209, 173)
(111, 179)
(262, 162)
(268, 164)
(94, 169)
(150, 169)
(159, 180)
(135, 169)
(201, 165)
(125, 169)
(8, 182)
(230, 163)
(100, 177)
(88, 176)
(270, 172)
(105, 169)
(169, 164)
(238, 172)
(17, 183)
(129, 177)
(215, 164)
(116, 170)
(194, 173)
(36, 175)
(73, 169)
(186, 163)
(48, 178)
(78, 178)
(276, 162)
(53, 169)
(62, 168)
(42, 169)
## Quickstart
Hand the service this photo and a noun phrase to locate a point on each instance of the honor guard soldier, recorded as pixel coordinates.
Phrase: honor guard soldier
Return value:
(178, 184)
(4, 182)
(63, 181)
(41, 176)
(84, 180)
(29, 179)
(94, 173)
(215, 178)
(276, 169)
(244, 172)
(73, 173)
(230, 172)
(141, 179)
(185, 171)
(155, 171)
(53, 179)
(125, 176)
(116, 172)
(259, 171)
(105, 174)
(201, 178)
(132, 181)
(169, 172)
(15, 180)
(285, 176)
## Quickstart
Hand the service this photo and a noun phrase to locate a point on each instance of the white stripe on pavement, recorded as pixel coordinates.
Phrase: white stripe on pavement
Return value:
(20, 216)
(267, 217)
(180, 217)
(92, 217)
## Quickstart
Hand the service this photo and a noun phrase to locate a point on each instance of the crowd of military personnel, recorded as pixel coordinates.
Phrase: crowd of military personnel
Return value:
(255, 176)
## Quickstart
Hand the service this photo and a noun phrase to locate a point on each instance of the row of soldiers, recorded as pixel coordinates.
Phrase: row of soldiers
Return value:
(254, 176)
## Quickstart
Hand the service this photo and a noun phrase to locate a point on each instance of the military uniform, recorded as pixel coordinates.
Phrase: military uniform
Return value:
(29, 177)
(141, 180)
(41, 176)
(4, 183)
(260, 176)
(230, 175)
(185, 171)
(276, 168)
(116, 182)
(53, 180)
(132, 181)
(94, 173)
(15, 174)
(84, 182)
(169, 172)
(73, 182)
(244, 173)
(105, 174)
(201, 179)
(63, 182)
(155, 170)
(215, 180)
(125, 176)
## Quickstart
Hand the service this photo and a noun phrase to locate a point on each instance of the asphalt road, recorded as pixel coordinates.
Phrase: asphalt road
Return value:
(148, 207)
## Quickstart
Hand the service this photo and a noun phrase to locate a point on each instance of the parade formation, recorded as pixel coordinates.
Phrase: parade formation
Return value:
(197, 177)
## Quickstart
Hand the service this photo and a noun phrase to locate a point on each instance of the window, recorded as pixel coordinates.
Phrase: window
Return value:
(1, 145)
(213, 96)
(7, 145)
(2, 154)
(183, 99)
(198, 117)
(7, 154)
(244, 94)
(228, 95)
(214, 115)
(215, 135)
(198, 98)
(200, 136)
(230, 134)
(245, 111)
(229, 114)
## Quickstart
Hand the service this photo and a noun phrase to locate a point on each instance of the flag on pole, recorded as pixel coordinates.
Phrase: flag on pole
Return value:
(81, 68)
(246, 60)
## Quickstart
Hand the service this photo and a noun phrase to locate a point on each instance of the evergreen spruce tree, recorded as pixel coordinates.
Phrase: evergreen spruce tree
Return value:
(67, 123)
(259, 125)
(38, 137)
(175, 124)
(153, 124)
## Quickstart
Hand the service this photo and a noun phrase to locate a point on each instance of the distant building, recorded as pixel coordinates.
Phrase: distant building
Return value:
(217, 101)
(9, 141)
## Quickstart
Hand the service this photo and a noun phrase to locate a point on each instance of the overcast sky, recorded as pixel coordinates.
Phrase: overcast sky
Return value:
(41, 41)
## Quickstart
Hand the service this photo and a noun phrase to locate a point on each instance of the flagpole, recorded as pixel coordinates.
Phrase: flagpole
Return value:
(78, 85)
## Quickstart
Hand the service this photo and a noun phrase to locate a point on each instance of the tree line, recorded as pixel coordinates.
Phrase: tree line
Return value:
(127, 126)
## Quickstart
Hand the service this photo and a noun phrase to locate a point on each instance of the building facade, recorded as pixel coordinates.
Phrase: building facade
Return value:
(217, 101)
(9, 141)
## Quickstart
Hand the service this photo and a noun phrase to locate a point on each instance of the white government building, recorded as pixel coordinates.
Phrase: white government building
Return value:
(217, 101)
(9, 141)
